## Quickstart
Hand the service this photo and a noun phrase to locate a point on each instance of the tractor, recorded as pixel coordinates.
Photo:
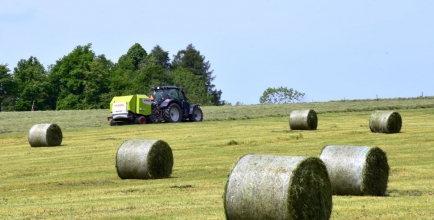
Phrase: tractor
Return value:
(165, 104)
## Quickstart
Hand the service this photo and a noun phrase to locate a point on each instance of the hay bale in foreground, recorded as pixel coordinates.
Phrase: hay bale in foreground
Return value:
(41, 135)
(356, 170)
(385, 122)
(303, 120)
(278, 187)
(144, 159)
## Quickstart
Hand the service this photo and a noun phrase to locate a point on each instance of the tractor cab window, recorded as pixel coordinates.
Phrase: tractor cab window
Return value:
(162, 94)
(173, 94)
(158, 94)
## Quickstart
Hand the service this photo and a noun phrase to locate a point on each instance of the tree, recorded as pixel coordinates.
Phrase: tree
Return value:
(280, 95)
(96, 84)
(80, 79)
(124, 76)
(192, 85)
(191, 60)
(6, 84)
(161, 56)
(136, 54)
(32, 86)
(68, 76)
(151, 75)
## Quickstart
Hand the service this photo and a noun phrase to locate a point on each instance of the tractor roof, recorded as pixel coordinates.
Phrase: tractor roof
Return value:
(165, 87)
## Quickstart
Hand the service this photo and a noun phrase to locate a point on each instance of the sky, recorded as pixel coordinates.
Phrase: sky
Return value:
(329, 50)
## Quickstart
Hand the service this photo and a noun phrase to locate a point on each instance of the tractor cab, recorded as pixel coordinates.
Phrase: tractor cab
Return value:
(166, 93)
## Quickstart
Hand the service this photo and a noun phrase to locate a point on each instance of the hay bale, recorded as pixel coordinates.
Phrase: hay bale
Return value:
(303, 120)
(356, 170)
(144, 159)
(385, 122)
(45, 135)
(278, 187)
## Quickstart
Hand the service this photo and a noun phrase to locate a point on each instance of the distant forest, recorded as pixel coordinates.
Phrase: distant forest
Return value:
(84, 80)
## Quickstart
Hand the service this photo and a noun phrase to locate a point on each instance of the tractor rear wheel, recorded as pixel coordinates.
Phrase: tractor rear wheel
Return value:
(197, 115)
(172, 113)
(155, 117)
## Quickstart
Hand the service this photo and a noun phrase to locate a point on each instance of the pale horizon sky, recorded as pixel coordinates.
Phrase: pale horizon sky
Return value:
(329, 50)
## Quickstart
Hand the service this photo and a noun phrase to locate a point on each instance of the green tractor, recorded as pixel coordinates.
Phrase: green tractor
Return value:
(165, 104)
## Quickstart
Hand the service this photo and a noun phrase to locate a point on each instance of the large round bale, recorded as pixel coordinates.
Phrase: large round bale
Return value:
(303, 120)
(385, 122)
(356, 170)
(144, 159)
(41, 135)
(278, 187)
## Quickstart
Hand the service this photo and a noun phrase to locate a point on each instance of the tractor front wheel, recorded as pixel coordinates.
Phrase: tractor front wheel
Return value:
(197, 115)
(173, 113)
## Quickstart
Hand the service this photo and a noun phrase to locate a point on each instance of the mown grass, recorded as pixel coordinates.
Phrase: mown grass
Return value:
(78, 180)
(72, 119)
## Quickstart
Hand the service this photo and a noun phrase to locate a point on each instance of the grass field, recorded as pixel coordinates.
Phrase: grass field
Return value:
(78, 179)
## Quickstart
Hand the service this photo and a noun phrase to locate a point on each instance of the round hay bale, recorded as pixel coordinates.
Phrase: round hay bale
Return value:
(303, 120)
(278, 187)
(144, 159)
(45, 135)
(356, 170)
(385, 122)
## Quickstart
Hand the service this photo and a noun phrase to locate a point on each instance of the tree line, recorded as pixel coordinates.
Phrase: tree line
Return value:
(84, 80)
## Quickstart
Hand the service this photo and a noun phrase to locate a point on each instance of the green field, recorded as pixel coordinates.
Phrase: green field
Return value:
(78, 180)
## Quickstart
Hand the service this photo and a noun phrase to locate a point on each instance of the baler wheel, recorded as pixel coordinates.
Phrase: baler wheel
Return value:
(112, 122)
(140, 120)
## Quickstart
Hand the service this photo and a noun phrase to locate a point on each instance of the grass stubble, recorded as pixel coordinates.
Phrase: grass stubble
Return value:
(79, 179)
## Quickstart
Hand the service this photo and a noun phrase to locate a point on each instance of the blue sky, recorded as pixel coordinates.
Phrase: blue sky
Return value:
(329, 50)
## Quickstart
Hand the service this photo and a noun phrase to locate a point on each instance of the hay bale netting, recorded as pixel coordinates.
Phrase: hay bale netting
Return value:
(278, 187)
(144, 159)
(385, 122)
(41, 135)
(303, 120)
(356, 170)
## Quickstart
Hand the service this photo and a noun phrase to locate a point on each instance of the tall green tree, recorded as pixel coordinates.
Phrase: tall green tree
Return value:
(133, 59)
(161, 56)
(32, 86)
(280, 95)
(68, 75)
(192, 85)
(123, 78)
(191, 60)
(6, 84)
(96, 84)
(79, 79)
(151, 75)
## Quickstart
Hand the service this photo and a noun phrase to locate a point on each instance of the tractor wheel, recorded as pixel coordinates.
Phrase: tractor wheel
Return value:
(156, 114)
(197, 115)
(172, 113)
(140, 120)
